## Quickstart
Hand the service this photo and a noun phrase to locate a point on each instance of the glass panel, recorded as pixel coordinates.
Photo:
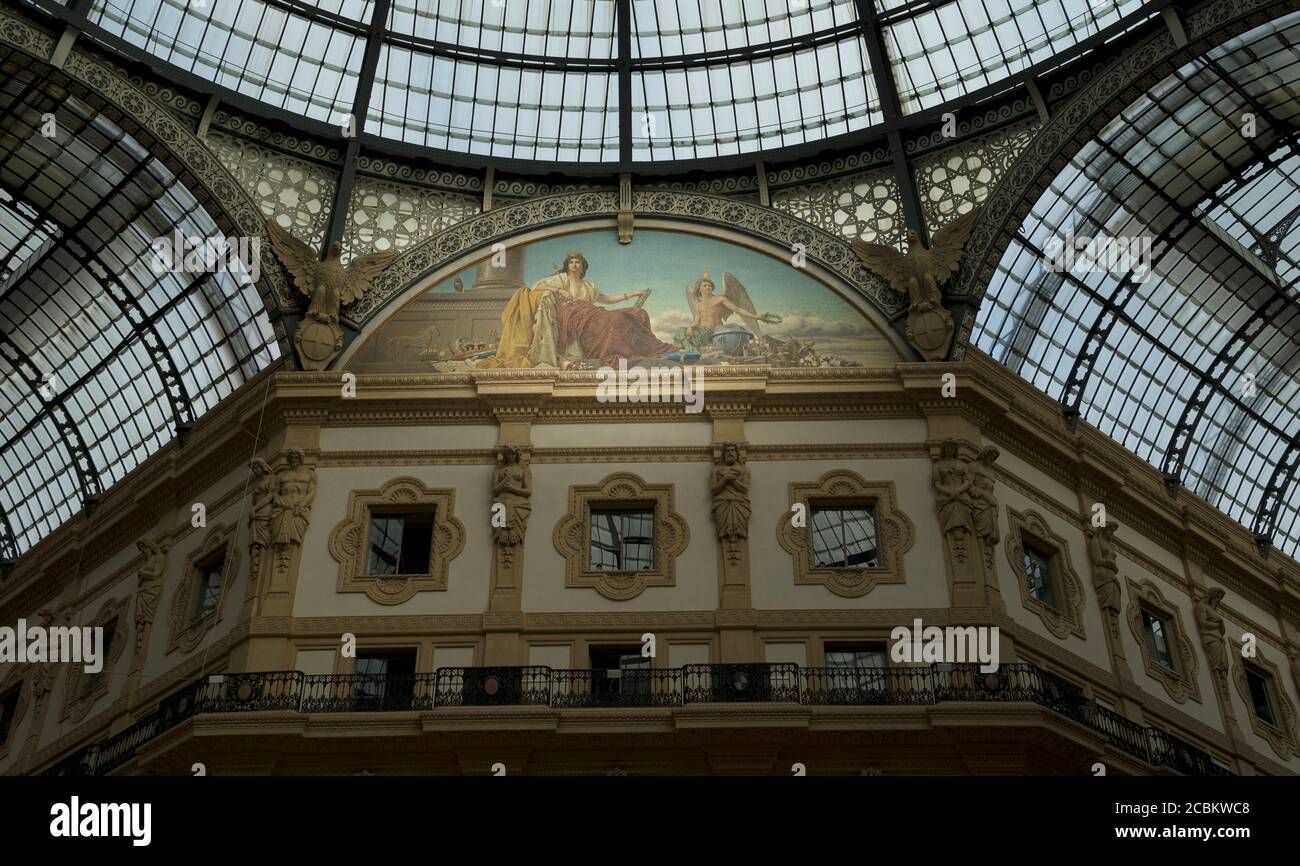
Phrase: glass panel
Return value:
(844, 538)
(944, 52)
(1261, 696)
(287, 59)
(753, 105)
(453, 103)
(384, 679)
(1157, 631)
(209, 593)
(846, 666)
(385, 543)
(1038, 573)
(622, 540)
(400, 543)
(619, 672)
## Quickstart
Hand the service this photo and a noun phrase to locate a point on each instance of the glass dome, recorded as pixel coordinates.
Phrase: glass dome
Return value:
(103, 357)
(1193, 364)
(608, 81)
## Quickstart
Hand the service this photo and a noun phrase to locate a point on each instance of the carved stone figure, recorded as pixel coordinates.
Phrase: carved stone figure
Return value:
(513, 487)
(984, 504)
(149, 587)
(920, 273)
(1105, 570)
(318, 338)
(730, 489)
(260, 511)
(43, 673)
(295, 491)
(731, 509)
(1210, 624)
(952, 485)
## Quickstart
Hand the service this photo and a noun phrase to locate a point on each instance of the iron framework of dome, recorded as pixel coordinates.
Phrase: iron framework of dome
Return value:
(828, 110)
(602, 81)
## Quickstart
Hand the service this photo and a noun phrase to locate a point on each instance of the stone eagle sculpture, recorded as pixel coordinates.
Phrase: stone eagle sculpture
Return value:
(920, 273)
(330, 285)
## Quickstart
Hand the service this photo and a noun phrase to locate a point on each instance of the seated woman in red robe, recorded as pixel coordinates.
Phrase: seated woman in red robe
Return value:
(557, 321)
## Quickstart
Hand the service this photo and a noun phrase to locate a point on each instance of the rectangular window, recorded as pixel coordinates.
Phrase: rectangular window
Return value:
(853, 670)
(208, 593)
(399, 543)
(8, 707)
(1038, 572)
(1157, 632)
(844, 537)
(619, 671)
(622, 539)
(1261, 695)
(384, 680)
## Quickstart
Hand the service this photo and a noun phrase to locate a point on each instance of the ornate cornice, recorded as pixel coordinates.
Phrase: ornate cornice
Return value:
(434, 177)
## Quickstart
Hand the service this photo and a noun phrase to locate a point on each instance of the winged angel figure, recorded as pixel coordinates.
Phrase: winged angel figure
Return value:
(920, 273)
(708, 310)
(330, 285)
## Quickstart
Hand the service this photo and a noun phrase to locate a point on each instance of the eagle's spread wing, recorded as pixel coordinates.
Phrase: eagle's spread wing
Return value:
(296, 256)
(736, 293)
(361, 272)
(947, 244)
(884, 261)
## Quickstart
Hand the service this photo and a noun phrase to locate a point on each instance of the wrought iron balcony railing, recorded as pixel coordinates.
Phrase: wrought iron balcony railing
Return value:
(632, 687)
(653, 687)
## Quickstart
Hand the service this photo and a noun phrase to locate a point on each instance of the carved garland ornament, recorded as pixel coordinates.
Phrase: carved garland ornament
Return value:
(1281, 736)
(187, 631)
(572, 535)
(79, 699)
(1181, 683)
(348, 543)
(894, 533)
(1030, 527)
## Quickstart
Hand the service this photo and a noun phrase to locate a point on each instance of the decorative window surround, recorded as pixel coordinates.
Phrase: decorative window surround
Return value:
(1032, 529)
(1181, 683)
(185, 630)
(18, 679)
(842, 488)
(1281, 736)
(572, 535)
(348, 541)
(78, 701)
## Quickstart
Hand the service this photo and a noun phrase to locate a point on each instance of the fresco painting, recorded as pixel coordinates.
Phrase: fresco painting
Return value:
(582, 301)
